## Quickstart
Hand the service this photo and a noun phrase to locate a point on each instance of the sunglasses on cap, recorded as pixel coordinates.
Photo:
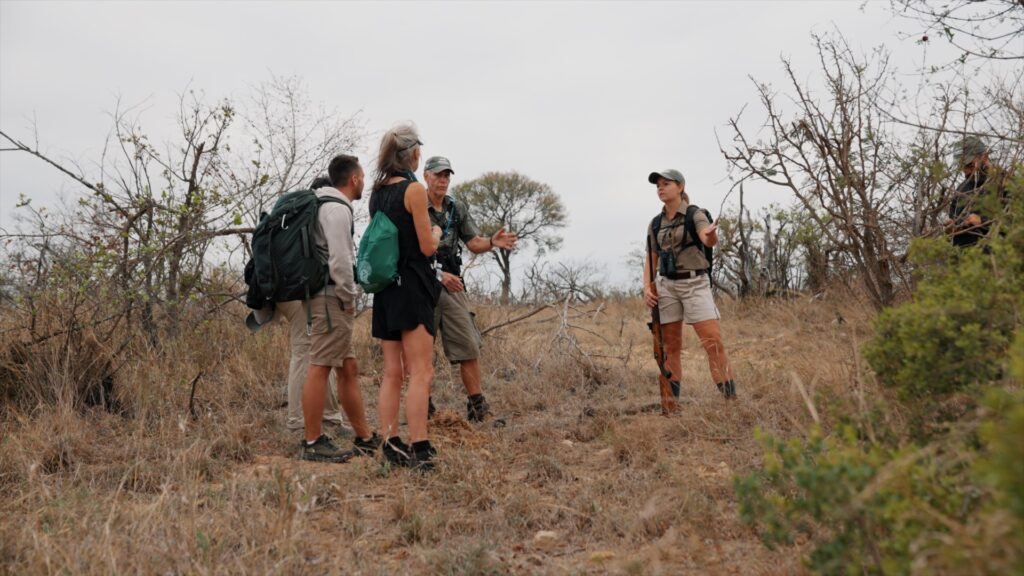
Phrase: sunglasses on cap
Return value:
(413, 145)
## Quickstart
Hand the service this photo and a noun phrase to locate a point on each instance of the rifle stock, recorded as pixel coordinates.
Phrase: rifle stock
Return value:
(669, 387)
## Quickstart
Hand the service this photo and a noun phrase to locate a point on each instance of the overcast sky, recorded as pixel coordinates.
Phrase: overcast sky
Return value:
(588, 97)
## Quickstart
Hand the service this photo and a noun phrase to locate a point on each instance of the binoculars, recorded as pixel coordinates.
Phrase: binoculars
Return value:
(666, 263)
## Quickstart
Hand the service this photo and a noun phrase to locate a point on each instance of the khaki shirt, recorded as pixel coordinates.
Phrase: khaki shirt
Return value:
(463, 228)
(672, 236)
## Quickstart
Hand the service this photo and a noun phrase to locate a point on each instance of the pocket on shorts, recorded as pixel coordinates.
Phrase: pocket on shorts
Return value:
(476, 328)
(319, 320)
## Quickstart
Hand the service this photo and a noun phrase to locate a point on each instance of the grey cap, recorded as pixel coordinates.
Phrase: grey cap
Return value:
(438, 164)
(259, 318)
(669, 174)
(968, 150)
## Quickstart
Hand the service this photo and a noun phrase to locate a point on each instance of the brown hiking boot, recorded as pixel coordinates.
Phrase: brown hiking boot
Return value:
(477, 408)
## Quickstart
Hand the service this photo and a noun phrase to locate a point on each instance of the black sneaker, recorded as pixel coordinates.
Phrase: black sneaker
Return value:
(477, 408)
(367, 447)
(422, 456)
(323, 450)
(431, 410)
(396, 452)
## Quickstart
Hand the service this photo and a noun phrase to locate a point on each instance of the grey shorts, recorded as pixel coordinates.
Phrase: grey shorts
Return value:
(329, 346)
(687, 300)
(459, 334)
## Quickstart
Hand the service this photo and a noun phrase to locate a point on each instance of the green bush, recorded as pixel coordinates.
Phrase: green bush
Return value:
(949, 502)
(865, 506)
(957, 330)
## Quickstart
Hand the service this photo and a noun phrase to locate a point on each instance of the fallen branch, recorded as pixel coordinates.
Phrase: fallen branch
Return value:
(533, 312)
(192, 396)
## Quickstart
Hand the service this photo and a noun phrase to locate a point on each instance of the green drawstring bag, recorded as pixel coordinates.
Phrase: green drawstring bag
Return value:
(377, 261)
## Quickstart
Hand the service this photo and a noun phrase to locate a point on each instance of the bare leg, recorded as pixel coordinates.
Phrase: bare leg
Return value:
(390, 388)
(314, 396)
(673, 334)
(418, 346)
(470, 370)
(351, 397)
(710, 335)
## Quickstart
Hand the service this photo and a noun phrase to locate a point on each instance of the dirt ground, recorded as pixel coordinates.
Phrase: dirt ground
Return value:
(583, 475)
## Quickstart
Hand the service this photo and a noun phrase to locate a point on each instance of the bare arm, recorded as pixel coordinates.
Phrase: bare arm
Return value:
(500, 239)
(479, 244)
(416, 204)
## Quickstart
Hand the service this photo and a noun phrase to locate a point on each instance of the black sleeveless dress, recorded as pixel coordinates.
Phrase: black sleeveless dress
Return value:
(407, 304)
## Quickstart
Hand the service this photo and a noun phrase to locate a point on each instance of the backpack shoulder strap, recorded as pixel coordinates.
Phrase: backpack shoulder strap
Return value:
(691, 226)
(321, 200)
(656, 225)
(453, 216)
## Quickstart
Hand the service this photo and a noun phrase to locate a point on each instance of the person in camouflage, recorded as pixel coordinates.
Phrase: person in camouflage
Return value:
(978, 198)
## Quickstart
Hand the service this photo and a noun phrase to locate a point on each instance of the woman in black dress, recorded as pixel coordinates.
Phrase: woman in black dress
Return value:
(403, 313)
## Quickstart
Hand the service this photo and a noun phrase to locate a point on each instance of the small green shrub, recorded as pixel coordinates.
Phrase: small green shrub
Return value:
(957, 330)
(866, 506)
(951, 501)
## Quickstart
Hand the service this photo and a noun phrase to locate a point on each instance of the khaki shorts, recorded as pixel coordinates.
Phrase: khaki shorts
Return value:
(329, 347)
(459, 334)
(688, 300)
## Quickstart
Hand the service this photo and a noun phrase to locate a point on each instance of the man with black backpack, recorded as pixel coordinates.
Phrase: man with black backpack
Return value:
(303, 256)
(680, 240)
(459, 335)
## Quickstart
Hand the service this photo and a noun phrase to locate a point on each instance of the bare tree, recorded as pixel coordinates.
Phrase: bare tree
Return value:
(836, 157)
(990, 30)
(510, 200)
(144, 227)
(578, 281)
(770, 257)
(292, 140)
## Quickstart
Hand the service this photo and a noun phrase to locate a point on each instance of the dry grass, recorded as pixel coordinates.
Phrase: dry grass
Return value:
(622, 489)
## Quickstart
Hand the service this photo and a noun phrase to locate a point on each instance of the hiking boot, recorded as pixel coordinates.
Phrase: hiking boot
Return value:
(477, 408)
(367, 447)
(396, 452)
(422, 456)
(727, 389)
(323, 450)
(730, 389)
(431, 409)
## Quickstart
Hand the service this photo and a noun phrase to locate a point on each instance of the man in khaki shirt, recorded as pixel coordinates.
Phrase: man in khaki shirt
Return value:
(454, 320)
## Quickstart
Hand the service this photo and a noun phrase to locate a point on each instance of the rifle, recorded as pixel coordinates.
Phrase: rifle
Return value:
(669, 387)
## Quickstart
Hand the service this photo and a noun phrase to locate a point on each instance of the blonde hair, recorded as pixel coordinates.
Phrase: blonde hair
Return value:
(397, 149)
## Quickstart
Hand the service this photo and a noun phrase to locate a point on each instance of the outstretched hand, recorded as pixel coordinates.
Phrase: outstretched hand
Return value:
(504, 240)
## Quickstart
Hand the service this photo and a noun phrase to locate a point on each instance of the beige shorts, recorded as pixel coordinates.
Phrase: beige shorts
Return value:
(688, 300)
(459, 334)
(329, 347)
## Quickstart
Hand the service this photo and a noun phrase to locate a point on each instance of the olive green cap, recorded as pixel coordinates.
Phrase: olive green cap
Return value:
(669, 174)
(968, 150)
(438, 164)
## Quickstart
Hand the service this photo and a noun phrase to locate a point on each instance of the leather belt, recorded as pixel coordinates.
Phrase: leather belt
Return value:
(685, 275)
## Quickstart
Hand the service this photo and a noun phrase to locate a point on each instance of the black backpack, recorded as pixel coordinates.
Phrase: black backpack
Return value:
(691, 233)
(286, 264)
